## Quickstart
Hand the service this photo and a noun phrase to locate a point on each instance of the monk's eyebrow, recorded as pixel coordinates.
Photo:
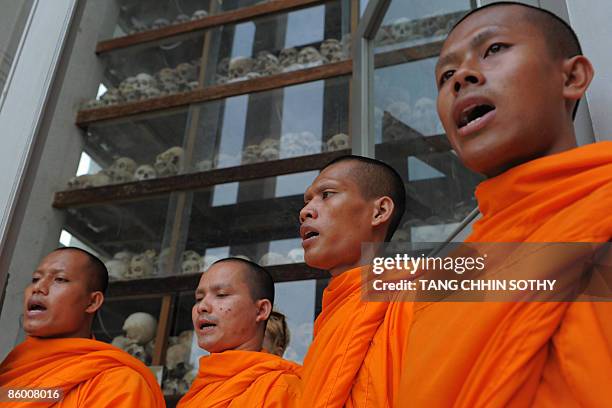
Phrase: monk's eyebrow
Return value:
(479, 39)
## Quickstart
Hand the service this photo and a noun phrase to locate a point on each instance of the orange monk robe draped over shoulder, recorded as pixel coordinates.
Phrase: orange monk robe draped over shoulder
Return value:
(90, 373)
(355, 358)
(238, 378)
(522, 354)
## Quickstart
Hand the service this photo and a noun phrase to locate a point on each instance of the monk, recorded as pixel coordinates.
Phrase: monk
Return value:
(510, 77)
(277, 336)
(233, 303)
(59, 353)
(356, 354)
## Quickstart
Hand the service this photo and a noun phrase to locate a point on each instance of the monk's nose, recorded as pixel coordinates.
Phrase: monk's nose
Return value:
(307, 212)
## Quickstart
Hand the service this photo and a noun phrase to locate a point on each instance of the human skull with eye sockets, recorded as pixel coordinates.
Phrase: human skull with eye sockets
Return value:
(192, 86)
(239, 67)
(140, 327)
(160, 23)
(267, 63)
(137, 351)
(117, 269)
(384, 36)
(223, 67)
(338, 142)
(124, 164)
(140, 267)
(273, 258)
(190, 256)
(170, 162)
(187, 72)
(190, 267)
(198, 14)
(112, 97)
(251, 154)
(145, 172)
(402, 29)
(269, 149)
(129, 89)
(122, 342)
(168, 88)
(177, 354)
(287, 57)
(296, 255)
(181, 18)
(331, 49)
(204, 165)
(310, 57)
(119, 176)
(144, 81)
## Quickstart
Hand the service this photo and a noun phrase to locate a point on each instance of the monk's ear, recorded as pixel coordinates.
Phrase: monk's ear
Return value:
(264, 308)
(578, 73)
(95, 302)
(383, 210)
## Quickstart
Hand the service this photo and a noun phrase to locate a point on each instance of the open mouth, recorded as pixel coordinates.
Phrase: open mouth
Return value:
(473, 114)
(310, 234)
(36, 306)
(207, 325)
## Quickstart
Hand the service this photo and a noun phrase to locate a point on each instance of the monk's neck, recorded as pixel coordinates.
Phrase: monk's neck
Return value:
(368, 253)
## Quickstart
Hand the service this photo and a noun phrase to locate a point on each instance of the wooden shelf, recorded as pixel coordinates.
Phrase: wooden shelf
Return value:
(86, 117)
(188, 283)
(408, 54)
(230, 17)
(156, 187)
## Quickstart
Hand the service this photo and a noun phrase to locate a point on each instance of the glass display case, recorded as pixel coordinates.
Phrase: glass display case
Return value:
(397, 74)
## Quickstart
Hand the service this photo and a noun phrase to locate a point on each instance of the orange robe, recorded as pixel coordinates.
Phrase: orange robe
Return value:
(356, 355)
(237, 378)
(553, 354)
(89, 372)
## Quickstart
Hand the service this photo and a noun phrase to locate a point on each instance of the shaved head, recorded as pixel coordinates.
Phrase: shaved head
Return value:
(98, 274)
(561, 39)
(377, 179)
(258, 279)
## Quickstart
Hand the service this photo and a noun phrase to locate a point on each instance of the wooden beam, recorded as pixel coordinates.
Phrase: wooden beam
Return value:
(163, 329)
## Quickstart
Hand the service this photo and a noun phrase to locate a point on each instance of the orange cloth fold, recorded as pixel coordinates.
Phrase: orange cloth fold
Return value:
(89, 372)
(554, 354)
(356, 354)
(238, 378)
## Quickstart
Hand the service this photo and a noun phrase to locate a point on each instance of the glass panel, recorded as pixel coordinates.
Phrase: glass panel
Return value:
(139, 16)
(294, 121)
(408, 133)
(130, 324)
(269, 45)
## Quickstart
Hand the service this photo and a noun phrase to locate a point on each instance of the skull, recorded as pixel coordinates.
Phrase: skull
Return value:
(167, 75)
(160, 23)
(89, 180)
(270, 153)
(331, 49)
(119, 176)
(269, 143)
(272, 258)
(170, 162)
(384, 36)
(150, 93)
(181, 18)
(190, 256)
(198, 14)
(137, 352)
(151, 254)
(252, 75)
(207, 261)
(112, 97)
(251, 154)
(291, 146)
(140, 327)
(190, 376)
(190, 266)
(220, 79)
(239, 67)
(140, 267)
(187, 72)
(144, 81)
(168, 87)
(310, 143)
(287, 57)
(176, 354)
(338, 142)
(117, 269)
(309, 57)
(130, 94)
(124, 164)
(402, 29)
(145, 172)
(170, 386)
(296, 255)
(185, 337)
(192, 86)
(266, 63)
(125, 256)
